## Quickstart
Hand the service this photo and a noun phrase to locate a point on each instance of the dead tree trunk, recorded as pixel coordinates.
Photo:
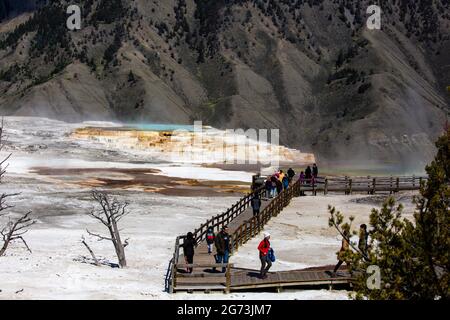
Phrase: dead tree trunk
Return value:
(109, 215)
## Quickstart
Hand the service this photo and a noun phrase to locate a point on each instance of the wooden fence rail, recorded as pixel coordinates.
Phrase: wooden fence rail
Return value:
(250, 228)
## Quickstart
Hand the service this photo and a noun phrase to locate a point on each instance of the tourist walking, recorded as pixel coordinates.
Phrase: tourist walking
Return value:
(281, 175)
(263, 248)
(269, 187)
(341, 254)
(315, 171)
(285, 182)
(302, 178)
(308, 174)
(363, 239)
(279, 186)
(256, 206)
(291, 174)
(222, 243)
(188, 250)
(273, 191)
(210, 237)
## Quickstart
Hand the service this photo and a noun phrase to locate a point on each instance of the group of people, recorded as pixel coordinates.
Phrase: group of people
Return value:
(278, 182)
(222, 244)
(221, 241)
(274, 185)
(309, 175)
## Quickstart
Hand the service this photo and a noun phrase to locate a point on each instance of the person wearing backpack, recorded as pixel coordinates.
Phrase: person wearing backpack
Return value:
(264, 248)
(210, 237)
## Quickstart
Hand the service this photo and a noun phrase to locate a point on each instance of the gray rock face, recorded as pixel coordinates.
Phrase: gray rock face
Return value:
(352, 96)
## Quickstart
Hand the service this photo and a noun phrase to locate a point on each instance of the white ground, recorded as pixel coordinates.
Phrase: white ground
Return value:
(300, 234)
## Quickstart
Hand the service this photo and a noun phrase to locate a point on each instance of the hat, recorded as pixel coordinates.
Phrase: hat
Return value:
(266, 235)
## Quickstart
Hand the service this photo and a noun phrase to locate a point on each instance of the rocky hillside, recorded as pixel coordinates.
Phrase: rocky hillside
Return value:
(308, 67)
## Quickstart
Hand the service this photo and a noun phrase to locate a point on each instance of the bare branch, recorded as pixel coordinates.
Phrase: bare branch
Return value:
(15, 230)
(90, 251)
(100, 238)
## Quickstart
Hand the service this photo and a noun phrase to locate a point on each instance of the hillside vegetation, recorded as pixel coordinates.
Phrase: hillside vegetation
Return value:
(310, 68)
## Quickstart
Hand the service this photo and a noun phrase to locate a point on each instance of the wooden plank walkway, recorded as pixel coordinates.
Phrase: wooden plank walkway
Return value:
(205, 277)
(243, 226)
(319, 276)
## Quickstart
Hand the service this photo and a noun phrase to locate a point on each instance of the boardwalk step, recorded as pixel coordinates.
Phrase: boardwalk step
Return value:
(200, 275)
(199, 288)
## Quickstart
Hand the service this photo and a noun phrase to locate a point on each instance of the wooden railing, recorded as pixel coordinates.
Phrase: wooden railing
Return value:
(253, 226)
(216, 222)
(368, 184)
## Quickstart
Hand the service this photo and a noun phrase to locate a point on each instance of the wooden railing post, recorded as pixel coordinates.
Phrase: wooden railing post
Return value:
(241, 235)
(325, 188)
(228, 279)
(350, 186)
(390, 185)
(397, 184)
(368, 185)
(346, 184)
(374, 184)
(247, 232)
(414, 181)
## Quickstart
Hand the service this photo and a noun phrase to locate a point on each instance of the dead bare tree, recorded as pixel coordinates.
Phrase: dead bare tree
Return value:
(14, 229)
(110, 213)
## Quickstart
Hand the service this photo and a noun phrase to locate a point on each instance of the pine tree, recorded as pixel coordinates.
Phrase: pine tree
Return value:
(413, 257)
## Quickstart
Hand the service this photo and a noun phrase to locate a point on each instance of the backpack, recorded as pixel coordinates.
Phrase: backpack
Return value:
(210, 237)
(271, 255)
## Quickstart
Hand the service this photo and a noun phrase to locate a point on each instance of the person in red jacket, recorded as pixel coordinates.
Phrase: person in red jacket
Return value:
(263, 248)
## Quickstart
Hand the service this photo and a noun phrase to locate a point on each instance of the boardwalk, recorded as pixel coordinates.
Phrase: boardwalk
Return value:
(203, 277)
(248, 279)
(243, 226)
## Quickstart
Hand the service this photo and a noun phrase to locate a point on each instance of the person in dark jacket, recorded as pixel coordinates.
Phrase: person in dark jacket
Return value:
(315, 171)
(308, 174)
(222, 243)
(269, 187)
(279, 186)
(256, 205)
(210, 236)
(273, 191)
(291, 174)
(188, 250)
(263, 248)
